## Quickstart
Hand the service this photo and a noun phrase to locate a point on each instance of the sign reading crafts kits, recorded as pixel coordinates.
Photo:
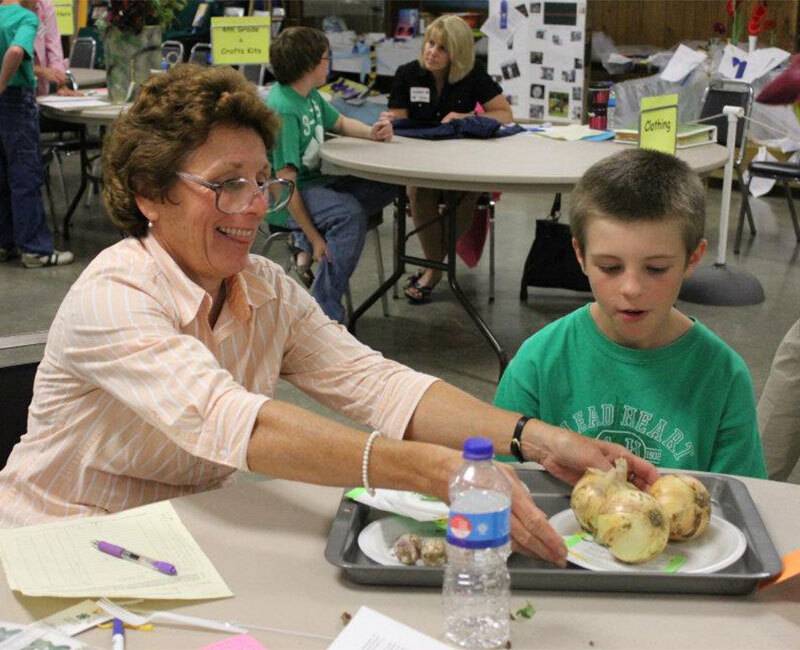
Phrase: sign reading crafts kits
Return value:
(658, 123)
(237, 40)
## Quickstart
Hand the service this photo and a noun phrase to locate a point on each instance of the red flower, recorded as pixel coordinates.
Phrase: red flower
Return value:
(729, 8)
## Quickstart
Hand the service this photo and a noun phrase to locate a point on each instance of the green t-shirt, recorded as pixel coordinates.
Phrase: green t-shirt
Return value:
(688, 405)
(18, 27)
(304, 121)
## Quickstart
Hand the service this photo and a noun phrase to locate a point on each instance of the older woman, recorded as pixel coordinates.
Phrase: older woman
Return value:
(442, 85)
(161, 362)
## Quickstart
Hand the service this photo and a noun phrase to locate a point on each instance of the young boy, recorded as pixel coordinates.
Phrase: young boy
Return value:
(23, 227)
(329, 213)
(630, 367)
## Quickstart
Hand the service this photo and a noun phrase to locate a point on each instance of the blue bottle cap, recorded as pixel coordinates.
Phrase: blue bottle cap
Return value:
(478, 449)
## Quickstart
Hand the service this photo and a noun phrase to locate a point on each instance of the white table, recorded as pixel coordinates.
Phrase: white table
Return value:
(89, 77)
(267, 540)
(520, 163)
(102, 116)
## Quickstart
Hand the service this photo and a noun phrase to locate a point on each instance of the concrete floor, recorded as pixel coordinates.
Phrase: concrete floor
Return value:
(438, 338)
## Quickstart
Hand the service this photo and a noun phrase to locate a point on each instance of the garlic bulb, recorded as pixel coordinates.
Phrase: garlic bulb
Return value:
(591, 491)
(686, 503)
(633, 525)
(406, 548)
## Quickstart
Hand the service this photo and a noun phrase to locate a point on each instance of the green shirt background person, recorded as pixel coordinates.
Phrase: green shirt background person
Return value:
(687, 405)
(304, 121)
(18, 27)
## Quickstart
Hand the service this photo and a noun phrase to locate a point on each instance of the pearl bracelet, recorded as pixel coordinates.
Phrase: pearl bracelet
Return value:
(365, 462)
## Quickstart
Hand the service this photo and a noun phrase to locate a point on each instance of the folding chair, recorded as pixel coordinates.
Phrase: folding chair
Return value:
(200, 54)
(784, 173)
(83, 52)
(172, 52)
(253, 73)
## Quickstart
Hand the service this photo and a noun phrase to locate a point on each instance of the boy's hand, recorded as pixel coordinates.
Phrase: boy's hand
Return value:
(567, 455)
(319, 248)
(382, 130)
(454, 116)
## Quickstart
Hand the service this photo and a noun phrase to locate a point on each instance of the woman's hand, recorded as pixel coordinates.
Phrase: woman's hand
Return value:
(567, 455)
(531, 533)
(455, 116)
(382, 130)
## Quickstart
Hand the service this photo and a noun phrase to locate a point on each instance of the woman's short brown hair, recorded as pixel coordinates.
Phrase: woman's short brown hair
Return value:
(455, 36)
(297, 51)
(172, 117)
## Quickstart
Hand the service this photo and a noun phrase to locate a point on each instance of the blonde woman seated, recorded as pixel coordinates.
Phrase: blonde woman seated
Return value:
(442, 85)
(161, 364)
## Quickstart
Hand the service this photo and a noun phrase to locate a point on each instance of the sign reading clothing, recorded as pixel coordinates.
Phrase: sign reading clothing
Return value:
(64, 17)
(237, 39)
(658, 123)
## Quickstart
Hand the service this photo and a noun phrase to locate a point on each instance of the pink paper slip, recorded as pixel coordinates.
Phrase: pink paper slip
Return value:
(238, 642)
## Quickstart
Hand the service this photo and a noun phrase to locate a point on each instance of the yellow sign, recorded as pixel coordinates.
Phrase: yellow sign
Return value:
(240, 39)
(65, 17)
(658, 123)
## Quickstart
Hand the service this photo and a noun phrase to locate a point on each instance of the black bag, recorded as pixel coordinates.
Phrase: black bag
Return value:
(551, 261)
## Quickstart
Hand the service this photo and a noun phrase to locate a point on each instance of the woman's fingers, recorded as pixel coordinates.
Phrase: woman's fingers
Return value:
(533, 535)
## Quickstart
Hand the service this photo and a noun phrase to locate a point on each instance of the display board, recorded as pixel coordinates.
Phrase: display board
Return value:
(536, 53)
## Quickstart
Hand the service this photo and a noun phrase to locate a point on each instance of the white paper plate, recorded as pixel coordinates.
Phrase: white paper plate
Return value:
(377, 539)
(720, 546)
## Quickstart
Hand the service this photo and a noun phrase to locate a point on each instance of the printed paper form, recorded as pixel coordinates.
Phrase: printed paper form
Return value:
(371, 630)
(57, 558)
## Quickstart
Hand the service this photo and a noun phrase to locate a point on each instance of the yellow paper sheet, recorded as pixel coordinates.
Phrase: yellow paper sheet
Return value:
(58, 559)
(571, 132)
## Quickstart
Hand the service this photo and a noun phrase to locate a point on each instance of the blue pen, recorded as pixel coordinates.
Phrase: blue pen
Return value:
(118, 635)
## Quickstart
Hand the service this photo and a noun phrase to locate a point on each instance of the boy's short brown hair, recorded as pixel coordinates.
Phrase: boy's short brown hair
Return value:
(640, 185)
(296, 51)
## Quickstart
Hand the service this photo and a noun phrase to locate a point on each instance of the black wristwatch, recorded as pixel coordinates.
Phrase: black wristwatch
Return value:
(516, 439)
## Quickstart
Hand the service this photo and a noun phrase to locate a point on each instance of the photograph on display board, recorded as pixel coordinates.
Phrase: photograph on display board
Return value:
(536, 58)
(522, 9)
(536, 112)
(558, 104)
(540, 34)
(536, 7)
(537, 91)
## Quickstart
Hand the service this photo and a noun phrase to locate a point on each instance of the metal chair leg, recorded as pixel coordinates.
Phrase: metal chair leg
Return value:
(792, 211)
(744, 210)
(381, 272)
(395, 294)
(348, 303)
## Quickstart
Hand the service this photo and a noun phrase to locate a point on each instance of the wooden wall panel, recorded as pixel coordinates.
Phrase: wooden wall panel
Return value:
(664, 23)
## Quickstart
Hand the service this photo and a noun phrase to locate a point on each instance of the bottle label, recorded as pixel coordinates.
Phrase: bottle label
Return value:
(479, 530)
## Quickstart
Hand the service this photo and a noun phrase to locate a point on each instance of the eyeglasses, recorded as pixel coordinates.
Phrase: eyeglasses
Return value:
(236, 195)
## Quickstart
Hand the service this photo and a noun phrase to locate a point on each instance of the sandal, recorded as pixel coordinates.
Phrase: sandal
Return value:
(303, 271)
(418, 294)
(413, 279)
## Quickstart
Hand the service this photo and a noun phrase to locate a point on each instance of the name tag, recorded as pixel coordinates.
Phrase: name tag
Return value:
(420, 94)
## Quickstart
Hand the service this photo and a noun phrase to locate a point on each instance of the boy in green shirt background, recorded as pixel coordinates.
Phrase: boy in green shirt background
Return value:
(23, 227)
(630, 367)
(328, 213)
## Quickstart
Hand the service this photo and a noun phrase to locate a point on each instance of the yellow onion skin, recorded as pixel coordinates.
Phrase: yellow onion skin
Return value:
(592, 490)
(588, 497)
(633, 525)
(686, 502)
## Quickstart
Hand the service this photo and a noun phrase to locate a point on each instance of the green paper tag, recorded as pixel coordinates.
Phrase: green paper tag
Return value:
(355, 493)
(675, 563)
(572, 540)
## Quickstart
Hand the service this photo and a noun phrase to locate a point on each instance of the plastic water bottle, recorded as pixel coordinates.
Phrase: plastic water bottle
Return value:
(475, 593)
(611, 109)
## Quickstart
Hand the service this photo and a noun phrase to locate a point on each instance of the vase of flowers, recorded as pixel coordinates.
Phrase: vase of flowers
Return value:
(131, 31)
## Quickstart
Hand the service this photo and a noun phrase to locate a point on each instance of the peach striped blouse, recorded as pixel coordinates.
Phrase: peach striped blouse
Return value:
(137, 399)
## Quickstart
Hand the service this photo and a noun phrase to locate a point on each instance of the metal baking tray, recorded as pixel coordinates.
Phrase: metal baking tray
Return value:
(730, 499)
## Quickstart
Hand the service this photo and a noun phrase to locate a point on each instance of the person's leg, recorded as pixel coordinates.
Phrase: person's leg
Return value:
(342, 221)
(779, 408)
(24, 173)
(8, 249)
(433, 238)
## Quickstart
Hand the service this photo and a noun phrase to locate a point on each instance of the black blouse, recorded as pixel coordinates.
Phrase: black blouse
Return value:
(414, 89)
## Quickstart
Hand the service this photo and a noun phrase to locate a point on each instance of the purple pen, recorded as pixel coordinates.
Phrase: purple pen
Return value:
(124, 554)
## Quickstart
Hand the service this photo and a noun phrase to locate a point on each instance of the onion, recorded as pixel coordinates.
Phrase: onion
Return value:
(633, 525)
(686, 503)
(591, 491)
